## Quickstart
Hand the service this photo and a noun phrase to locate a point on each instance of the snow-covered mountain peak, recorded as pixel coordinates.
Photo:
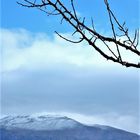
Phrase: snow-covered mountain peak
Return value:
(40, 122)
(46, 127)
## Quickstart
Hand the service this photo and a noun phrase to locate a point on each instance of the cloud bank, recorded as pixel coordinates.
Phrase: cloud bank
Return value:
(22, 49)
(42, 73)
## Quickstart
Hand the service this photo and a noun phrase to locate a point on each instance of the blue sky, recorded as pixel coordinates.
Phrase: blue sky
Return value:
(14, 16)
(43, 73)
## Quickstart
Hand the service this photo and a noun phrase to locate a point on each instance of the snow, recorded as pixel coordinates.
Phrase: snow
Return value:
(36, 127)
(44, 122)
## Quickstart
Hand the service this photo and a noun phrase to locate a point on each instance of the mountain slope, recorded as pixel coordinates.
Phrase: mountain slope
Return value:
(57, 128)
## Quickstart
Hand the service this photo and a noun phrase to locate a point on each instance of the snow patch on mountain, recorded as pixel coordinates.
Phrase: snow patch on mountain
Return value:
(43, 122)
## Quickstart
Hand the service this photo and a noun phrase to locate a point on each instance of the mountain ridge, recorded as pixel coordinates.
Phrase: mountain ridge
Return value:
(49, 127)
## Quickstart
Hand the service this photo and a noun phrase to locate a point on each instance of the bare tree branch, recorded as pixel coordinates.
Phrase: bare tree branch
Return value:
(80, 40)
(121, 40)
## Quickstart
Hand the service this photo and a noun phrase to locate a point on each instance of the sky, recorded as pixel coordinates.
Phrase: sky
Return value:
(42, 73)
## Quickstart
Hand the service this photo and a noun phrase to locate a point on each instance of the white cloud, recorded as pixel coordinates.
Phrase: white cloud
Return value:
(22, 49)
